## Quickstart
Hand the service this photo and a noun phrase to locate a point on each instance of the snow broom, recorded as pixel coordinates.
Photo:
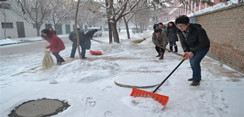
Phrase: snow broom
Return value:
(160, 98)
(47, 61)
(138, 40)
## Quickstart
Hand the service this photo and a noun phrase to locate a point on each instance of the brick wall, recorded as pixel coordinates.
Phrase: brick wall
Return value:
(225, 29)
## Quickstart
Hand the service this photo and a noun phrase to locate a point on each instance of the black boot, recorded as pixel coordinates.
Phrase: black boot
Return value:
(161, 55)
(158, 54)
(176, 49)
(171, 48)
(195, 83)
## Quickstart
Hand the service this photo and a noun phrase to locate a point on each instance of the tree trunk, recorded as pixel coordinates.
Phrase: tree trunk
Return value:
(127, 28)
(110, 33)
(76, 31)
(109, 13)
(4, 15)
(115, 32)
(38, 30)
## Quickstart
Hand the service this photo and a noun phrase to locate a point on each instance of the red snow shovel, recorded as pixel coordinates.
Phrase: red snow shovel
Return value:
(96, 52)
(160, 98)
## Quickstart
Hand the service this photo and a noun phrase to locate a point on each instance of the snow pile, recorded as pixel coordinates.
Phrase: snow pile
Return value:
(7, 41)
(143, 104)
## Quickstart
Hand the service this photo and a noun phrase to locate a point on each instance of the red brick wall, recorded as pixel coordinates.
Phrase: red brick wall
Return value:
(225, 29)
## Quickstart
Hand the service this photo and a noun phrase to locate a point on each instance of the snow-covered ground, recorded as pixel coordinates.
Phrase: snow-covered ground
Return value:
(88, 85)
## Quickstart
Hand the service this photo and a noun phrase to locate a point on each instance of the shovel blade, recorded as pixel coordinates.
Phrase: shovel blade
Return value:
(141, 93)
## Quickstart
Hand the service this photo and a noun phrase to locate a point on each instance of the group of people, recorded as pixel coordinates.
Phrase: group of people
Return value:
(162, 36)
(193, 39)
(57, 45)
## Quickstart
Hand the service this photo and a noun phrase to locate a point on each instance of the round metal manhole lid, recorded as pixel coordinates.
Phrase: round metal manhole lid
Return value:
(39, 108)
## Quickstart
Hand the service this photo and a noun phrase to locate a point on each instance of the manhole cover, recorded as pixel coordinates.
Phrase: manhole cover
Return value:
(39, 108)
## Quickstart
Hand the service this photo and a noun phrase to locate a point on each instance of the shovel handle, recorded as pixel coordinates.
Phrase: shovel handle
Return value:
(169, 75)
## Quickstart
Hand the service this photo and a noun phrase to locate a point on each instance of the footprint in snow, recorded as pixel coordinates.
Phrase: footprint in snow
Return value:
(219, 102)
(106, 89)
(90, 102)
(108, 114)
(214, 103)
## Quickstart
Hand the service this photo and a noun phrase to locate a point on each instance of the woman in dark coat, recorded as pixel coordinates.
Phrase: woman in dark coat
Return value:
(172, 36)
(56, 44)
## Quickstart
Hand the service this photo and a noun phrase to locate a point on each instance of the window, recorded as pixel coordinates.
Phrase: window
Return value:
(4, 6)
(7, 25)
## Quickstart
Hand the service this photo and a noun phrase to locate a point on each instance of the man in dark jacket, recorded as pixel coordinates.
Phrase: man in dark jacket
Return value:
(88, 36)
(195, 43)
(72, 37)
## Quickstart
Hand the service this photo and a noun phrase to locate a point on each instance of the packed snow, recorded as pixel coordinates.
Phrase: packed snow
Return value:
(88, 85)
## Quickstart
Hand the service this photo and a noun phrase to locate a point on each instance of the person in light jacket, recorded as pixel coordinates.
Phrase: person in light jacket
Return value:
(160, 40)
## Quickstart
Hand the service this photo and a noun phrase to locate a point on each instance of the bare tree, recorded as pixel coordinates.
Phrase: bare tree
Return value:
(141, 12)
(91, 13)
(115, 12)
(142, 16)
(60, 11)
(32, 11)
(126, 21)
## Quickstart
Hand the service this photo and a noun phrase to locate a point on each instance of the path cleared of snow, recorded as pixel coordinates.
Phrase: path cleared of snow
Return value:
(88, 85)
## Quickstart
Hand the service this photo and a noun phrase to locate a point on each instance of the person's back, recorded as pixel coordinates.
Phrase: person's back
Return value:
(89, 34)
(73, 38)
(82, 38)
(72, 35)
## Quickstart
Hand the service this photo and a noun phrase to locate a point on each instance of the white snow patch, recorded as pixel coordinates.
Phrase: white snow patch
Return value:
(141, 103)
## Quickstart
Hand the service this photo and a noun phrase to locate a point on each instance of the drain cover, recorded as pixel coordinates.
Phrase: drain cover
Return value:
(39, 108)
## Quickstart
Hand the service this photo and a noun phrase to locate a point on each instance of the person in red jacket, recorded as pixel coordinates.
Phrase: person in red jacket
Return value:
(56, 44)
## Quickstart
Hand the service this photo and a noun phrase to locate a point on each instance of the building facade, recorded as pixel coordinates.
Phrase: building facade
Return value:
(186, 8)
(14, 26)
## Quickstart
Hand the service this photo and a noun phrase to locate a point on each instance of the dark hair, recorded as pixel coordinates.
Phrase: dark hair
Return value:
(173, 25)
(46, 31)
(155, 26)
(157, 29)
(183, 19)
(160, 23)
